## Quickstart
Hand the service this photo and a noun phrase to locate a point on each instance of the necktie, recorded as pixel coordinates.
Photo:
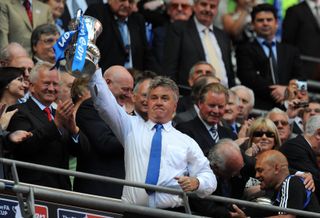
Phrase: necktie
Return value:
(27, 5)
(273, 63)
(214, 134)
(123, 28)
(212, 56)
(155, 158)
(48, 112)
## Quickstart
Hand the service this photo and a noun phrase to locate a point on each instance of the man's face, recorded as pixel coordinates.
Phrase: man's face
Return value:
(205, 11)
(65, 86)
(282, 124)
(46, 88)
(265, 25)
(200, 70)
(179, 10)
(311, 110)
(23, 62)
(231, 110)
(161, 104)
(121, 8)
(121, 88)
(140, 97)
(244, 107)
(213, 107)
(44, 47)
(265, 174)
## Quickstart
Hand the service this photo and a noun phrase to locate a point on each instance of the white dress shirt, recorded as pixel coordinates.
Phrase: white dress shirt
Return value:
(180, 154)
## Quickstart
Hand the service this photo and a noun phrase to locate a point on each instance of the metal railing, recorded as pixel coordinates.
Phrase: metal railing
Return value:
(110, 204)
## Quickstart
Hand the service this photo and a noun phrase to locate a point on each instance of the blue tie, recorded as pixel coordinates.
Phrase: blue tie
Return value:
(123, 28)
(155, 158)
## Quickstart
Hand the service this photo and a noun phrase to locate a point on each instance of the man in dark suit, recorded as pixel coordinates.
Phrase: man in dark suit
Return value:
(123, 40)
(303, 150)
(301, 28)
(205, 128)
(106, 156)
(54, 132)
(267, 73)
(185, 45)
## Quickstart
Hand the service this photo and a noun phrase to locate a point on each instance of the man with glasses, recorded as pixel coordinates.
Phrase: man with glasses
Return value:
(281, 120)
(42, 40)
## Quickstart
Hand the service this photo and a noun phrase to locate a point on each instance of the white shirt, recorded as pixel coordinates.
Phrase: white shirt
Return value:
(201, 28)
(180, 154)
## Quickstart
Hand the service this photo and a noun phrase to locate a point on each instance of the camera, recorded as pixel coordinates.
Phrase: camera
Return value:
(302, 85)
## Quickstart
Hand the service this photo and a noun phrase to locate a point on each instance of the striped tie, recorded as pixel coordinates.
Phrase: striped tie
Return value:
(214, 134)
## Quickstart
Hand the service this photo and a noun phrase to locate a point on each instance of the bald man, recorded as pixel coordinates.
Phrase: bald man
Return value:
(273, 173)
(10, 52)
(106, 156)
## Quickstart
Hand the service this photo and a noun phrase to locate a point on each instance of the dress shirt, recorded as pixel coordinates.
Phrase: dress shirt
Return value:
(181, 155)
(312, 5)
(208, 127)
(266, 49)
(200, 29)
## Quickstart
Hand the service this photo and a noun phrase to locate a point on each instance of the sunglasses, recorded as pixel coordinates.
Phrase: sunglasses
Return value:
(176, 6)
(261, 133)
(282, 122)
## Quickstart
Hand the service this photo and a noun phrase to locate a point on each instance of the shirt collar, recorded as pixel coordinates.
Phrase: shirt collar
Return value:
(208, 127)
(166, 126)
(261, 40)
(40, 105)
(200, 27)
(22, 1)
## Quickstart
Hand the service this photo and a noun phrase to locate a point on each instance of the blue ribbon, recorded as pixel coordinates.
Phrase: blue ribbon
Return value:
(62, 44)
(81, 47)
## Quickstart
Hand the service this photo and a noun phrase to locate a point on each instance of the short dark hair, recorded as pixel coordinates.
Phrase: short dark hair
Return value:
(263, 7)
(42, 29)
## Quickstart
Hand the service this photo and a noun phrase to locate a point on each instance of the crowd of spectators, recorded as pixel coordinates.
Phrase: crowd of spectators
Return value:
(170, 104)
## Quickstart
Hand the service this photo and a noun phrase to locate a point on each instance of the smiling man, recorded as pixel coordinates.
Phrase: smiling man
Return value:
(273, 173)
(155, 152)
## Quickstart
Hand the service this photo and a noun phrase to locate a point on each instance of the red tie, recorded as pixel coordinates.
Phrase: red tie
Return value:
(27, 5)
(48, 112)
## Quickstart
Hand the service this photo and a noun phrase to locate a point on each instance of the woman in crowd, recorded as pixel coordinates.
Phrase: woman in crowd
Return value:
(12, 87)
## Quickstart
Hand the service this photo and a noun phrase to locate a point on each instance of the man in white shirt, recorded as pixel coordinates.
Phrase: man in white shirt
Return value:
(182, 164)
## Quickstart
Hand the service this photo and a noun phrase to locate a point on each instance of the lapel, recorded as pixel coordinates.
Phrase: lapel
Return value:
(258, 50)
(36, 112)
(18, 7)
(204, 135)
(280, 60)
(37, 11)
(195, 38)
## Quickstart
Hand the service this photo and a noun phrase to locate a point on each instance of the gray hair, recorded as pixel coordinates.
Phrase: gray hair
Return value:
(234, 94)
(191, 72)
(221, 151)
(277, 111)
(6, 53)
(215, 88)
(313, 124)
(246, 89)
(169, 2)
(161, 81)
(40, 66)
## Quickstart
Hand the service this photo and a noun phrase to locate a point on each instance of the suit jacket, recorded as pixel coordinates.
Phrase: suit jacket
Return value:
(47, 146)
(254, 70)
(185, 116)
(106, 155)
(15, 24)
(110, 43)
(198, 131)
(301, 29)
(183, 48)
(301, 157)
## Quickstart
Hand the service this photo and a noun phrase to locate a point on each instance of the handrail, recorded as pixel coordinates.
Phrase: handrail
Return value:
(100, 204)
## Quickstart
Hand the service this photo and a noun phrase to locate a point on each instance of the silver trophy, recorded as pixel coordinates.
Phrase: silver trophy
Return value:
(92, 58)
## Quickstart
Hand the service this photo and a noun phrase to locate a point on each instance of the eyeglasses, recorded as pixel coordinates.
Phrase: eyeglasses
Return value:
(177, 5)
(26, 69)
(48, 41)
(309, 110)
(261, 133)
(282, 122)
